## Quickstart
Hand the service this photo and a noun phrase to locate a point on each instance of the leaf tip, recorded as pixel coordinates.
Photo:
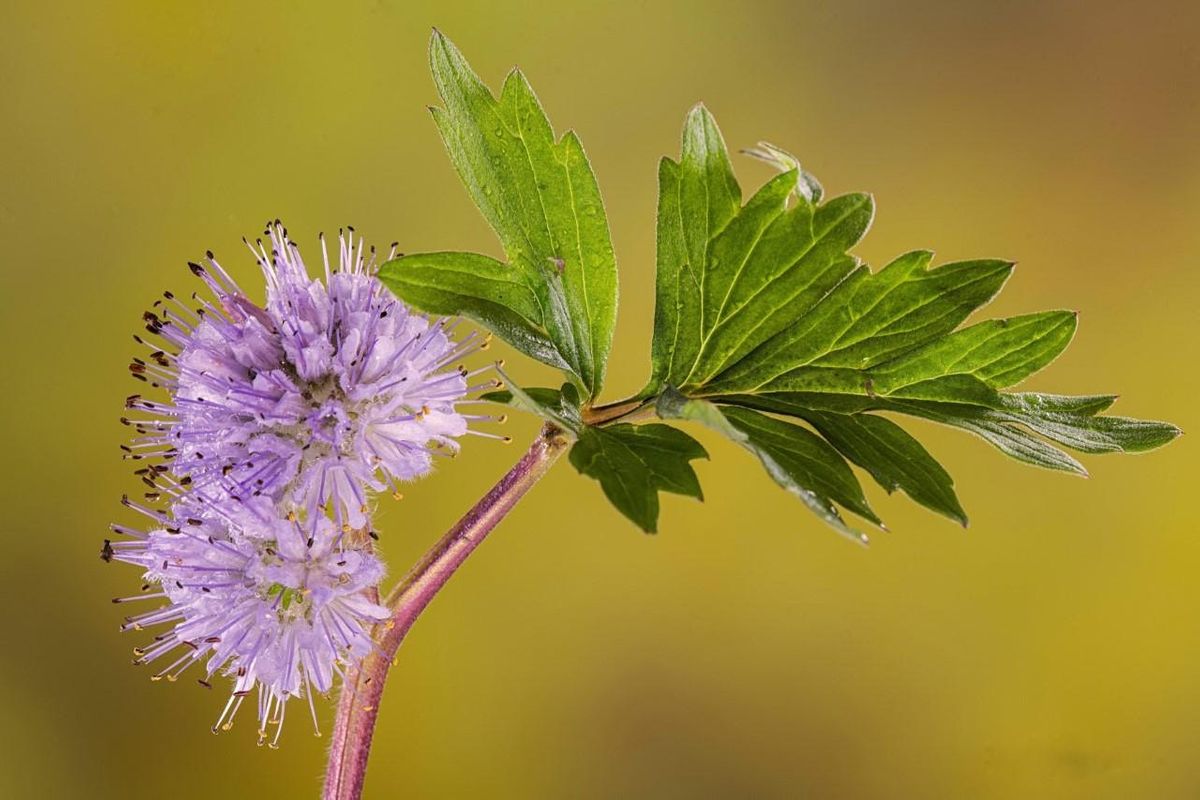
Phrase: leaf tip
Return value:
(699, 111)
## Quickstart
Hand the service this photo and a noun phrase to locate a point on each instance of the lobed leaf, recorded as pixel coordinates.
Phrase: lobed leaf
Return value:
(795, 458)
(634, 463)
(762, 313)
(894, 458)
(556, 298)
(771, 314)
(479, 288)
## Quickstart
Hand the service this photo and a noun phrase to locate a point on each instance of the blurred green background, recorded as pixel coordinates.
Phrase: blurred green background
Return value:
(1050, 651)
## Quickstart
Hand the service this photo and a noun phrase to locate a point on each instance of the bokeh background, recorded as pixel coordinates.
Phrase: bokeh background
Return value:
(1050, 651)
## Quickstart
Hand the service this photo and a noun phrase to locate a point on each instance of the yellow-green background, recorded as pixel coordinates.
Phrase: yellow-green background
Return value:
(1050, 651)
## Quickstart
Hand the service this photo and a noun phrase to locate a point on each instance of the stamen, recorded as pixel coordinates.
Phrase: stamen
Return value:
(488, 435)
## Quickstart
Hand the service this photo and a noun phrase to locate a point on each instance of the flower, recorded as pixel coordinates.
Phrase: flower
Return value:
(327, 391)
(279, 603)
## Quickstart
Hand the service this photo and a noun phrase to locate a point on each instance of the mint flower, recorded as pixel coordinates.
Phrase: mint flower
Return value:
(280, 604)
(331, 389)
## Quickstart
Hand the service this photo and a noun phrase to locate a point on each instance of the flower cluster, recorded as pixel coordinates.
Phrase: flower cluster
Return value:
(278, 602)
(280, 421)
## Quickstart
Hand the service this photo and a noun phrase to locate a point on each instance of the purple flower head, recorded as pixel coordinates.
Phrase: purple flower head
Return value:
(330, 390)
(278, 603)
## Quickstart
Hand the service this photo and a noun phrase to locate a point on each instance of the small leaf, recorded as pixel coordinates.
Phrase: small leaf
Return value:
(529, 398)
(479, 288)
(697, 197)
(541, 402)
(556, 299)
(1011, 440)
(633, 463)
(894, 458)
(1079, 430)
(560, 406)
(797, 459)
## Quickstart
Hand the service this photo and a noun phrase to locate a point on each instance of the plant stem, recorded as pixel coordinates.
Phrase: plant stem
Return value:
(623, 411)
(358, 705)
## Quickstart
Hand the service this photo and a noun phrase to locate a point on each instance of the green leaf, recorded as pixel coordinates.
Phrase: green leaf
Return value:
(529, 398)
(872, 327)
(803, 463)
(697, 197)
(556, 298)
(479, 288)
(894, 458)
(762, 307)
(560, 406)
(1011, 440)
(798, 460)
(633, 463)
(1069, 423)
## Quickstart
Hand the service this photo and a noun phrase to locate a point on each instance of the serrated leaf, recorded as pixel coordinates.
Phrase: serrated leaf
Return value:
(697, 197)
(797, 459)
(869, 321)
(540, 196)
(999, 352)
(633, 463)
(717, 301)
(1011, 440)
(774, 314)
(1015, 423)
(479, 288)
(802, 462)
(1080, 428)
(894, 458)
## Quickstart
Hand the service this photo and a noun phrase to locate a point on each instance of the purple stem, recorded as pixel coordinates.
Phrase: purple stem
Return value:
(361, 692)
